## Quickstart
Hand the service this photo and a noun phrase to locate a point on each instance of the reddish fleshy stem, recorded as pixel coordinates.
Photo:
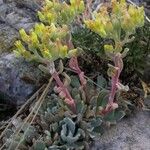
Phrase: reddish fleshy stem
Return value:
(62, 90)
(115, 79)
(114, 84)
(73, 64)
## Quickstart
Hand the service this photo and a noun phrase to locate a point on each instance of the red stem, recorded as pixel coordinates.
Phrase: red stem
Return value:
(73, 64)
(68, 99)
(115, 80)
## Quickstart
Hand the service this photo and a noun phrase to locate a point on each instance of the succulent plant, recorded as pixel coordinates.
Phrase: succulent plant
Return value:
(89, 106)
(61, 13)
(45, 43)
(110, 23)
(56, 127)
(51, 41)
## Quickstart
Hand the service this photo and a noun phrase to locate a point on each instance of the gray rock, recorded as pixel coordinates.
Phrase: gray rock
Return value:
(131, 133)
(18, 79)
(8, 36)
(1, 2)
(34, 4)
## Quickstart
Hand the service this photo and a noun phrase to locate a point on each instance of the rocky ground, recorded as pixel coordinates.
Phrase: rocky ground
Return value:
(132, 133)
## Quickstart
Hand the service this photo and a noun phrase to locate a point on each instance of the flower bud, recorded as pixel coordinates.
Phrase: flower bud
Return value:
(108, 48)
(72, 53)
(24, 35)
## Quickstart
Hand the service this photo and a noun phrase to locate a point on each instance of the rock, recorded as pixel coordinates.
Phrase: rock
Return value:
(8, 36)
(131, 133)
(18, 79)
(14, 15)
(34, 4)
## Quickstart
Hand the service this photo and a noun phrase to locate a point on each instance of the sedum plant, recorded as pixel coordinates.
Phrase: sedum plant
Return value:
(90, 107)
(110, 24)
(60, 13)
(51, 40)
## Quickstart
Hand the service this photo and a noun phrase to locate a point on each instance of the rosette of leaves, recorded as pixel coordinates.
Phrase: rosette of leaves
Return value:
(52, 110)
(75, 131)
(58, 128)
(90, 104)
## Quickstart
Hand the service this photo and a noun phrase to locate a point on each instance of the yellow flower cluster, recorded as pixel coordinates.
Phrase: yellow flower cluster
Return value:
(47, 40)
(109, 23)
(44, 41)
(133, 19)
(61, 13)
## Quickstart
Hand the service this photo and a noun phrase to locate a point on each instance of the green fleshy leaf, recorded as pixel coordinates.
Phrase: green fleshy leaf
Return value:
(102, 99)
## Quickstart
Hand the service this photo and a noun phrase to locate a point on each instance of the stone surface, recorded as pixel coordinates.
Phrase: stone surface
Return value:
(132, 133)
(18, 79)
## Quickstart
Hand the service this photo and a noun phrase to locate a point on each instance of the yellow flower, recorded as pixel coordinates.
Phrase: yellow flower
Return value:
(72, 53)
(108, 48)
(39, 28)
(46, 53)
(96, 26)
(41, 16)
(109, 27)
(24, 35)
(34, 39)
(63, 51)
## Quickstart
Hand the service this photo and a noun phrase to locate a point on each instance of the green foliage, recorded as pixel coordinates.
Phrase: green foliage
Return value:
(136, 60)
(89, 41)
(139, 50)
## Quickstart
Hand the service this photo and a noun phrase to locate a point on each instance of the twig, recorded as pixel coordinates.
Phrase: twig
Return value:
(37, 104)
(40, 102)
(20, 110)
